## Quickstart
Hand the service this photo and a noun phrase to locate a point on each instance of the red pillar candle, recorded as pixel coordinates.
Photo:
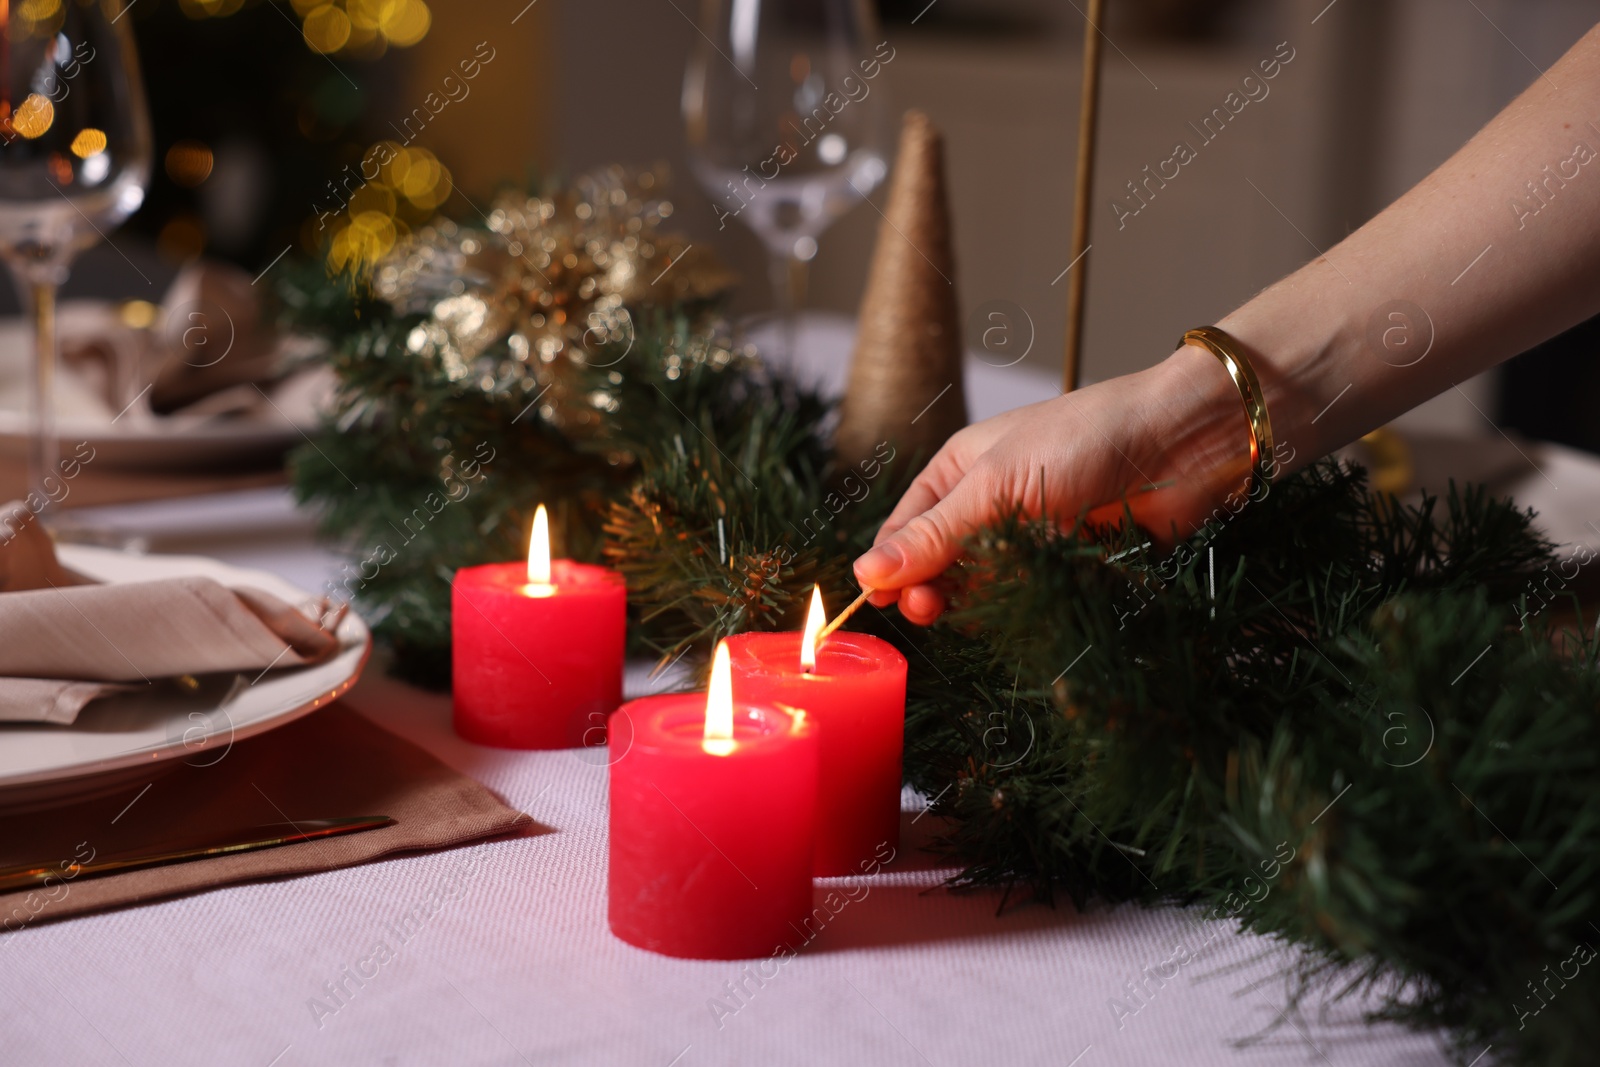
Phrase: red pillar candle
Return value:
(713, 822)
(536, 649)
(854, 691)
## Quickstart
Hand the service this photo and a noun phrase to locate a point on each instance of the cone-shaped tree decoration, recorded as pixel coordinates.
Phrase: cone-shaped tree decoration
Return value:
(905, 379)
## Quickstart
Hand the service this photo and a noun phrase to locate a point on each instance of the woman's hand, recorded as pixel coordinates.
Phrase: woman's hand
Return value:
(1320, 344)
(1164, 428)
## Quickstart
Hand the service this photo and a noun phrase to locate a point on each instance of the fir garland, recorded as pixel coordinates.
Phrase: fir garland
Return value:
(481, 371)
(1315, 748)
(1356, 741)
(1335, 709)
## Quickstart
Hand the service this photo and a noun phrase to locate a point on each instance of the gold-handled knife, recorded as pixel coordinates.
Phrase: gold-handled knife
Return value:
(270, 835)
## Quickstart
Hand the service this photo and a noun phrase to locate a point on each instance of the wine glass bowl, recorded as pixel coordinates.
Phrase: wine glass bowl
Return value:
(787, 122)
(75, 156)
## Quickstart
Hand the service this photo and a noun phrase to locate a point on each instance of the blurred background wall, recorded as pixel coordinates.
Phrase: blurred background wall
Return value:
(1378, 92)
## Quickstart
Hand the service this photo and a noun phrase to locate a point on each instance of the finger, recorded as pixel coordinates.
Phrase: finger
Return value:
(919, 497)
(921, 604)
(925, 547)
(929, 487)
(882, 598)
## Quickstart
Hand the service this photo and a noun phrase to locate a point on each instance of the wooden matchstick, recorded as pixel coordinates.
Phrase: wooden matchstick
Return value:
(844, 616)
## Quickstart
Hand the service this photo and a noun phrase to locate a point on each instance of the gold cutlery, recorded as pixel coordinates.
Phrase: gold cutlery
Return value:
(270, 835)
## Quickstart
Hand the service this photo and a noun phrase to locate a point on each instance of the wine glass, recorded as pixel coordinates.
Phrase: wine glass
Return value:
(786, 114)
(74, 161)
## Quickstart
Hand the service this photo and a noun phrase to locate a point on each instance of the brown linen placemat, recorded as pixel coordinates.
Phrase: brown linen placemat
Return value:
(331, 764)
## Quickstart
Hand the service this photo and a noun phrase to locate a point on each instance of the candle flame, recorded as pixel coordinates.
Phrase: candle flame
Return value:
(539, 549)
(816, 619)
(718, 739)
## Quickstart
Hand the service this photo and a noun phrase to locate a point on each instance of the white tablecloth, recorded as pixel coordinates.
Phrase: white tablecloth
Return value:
(516, 965)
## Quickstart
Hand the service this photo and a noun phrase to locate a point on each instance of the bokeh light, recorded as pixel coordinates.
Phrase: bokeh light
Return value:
(407, 186)
(404, 22)
(34, 116)
(182, 239)
(188, 163)
(40, 18)
(137, 314)
(360, 28)
(366, 239)
(326, 28)
(89, 142)
(366, 15)
(210, 9)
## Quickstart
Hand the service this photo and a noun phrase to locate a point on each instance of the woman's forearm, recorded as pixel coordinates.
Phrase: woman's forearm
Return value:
(1494, 252)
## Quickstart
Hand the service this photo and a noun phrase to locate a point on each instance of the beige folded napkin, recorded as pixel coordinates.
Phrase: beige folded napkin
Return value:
(333, 763)
(62, 645)
(208, 334)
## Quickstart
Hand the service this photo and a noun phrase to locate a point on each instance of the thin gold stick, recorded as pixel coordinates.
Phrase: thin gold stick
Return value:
(1088, 118)
(844, 616)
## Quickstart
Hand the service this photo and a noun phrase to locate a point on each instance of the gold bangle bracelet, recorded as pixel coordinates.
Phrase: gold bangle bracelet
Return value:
(1226, 349)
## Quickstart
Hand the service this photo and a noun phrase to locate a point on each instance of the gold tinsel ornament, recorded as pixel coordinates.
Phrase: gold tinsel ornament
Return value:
(556, 277)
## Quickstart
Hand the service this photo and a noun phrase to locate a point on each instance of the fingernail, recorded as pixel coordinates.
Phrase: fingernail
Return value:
(880, 564)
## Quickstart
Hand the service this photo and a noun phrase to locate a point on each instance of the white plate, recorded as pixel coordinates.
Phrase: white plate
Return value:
(136, 439)
(137, 735)
(176, 443)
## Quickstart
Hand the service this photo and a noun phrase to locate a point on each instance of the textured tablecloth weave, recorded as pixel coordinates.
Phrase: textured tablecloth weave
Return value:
(516, 966)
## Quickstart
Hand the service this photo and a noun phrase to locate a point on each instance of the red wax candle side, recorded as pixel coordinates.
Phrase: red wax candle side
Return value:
(710, 856)
(536, 671)
(856, 701)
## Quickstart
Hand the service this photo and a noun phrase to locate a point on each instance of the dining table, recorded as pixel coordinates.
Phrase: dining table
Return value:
(513, 962)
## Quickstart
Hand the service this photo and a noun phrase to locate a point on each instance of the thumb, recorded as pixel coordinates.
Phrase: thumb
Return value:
(928, 544)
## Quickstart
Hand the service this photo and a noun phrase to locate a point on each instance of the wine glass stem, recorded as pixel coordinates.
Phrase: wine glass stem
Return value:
(43, 446)
(789, 276)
